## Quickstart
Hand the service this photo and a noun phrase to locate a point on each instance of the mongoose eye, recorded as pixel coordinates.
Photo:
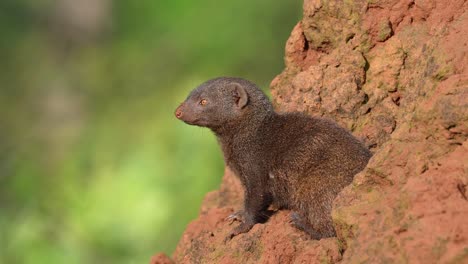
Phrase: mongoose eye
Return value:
(203, 102)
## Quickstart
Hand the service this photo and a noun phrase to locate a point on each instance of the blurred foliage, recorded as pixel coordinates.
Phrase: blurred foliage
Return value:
(93, 166)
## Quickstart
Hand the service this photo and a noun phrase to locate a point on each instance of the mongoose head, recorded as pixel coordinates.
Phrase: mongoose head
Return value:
(220, 101)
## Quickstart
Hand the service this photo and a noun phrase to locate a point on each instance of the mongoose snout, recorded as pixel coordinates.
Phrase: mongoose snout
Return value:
(178, 112)
(185, 113)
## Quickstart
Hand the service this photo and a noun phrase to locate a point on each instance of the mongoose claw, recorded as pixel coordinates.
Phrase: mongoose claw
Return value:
(242, 228)
(237, 216)
(229, 237)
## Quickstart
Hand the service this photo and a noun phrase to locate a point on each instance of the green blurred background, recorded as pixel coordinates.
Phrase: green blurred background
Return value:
(94, 168)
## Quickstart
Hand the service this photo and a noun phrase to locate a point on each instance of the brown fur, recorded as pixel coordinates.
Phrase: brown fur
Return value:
(292, 160)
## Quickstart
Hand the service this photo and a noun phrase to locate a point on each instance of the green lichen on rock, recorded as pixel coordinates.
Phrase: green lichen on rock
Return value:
(332, 24)
(460, 258)
(385, 31)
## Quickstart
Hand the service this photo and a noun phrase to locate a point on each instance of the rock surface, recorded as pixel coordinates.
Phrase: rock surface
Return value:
(395, 73)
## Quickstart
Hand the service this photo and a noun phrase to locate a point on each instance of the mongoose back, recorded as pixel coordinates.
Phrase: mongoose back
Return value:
(291, 160)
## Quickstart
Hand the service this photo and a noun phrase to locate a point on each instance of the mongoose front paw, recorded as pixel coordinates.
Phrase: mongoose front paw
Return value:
(237, 216)
(242, 228)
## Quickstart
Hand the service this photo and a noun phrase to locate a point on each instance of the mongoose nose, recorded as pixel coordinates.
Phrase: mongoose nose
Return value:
(178, 113)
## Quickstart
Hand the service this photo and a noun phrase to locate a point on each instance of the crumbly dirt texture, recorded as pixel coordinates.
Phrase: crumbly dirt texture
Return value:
(395, 73)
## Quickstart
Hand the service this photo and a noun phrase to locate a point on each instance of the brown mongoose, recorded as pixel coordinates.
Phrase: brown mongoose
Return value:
(291, 160)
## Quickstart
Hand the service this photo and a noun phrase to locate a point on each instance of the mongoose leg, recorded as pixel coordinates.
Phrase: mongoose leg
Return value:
(301, 223)
(255, 211)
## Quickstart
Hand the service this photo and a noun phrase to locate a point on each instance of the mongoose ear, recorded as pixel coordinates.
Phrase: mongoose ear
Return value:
(240, 95)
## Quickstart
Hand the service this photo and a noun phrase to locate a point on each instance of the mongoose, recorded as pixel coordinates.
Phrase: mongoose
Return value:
(291, 160)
